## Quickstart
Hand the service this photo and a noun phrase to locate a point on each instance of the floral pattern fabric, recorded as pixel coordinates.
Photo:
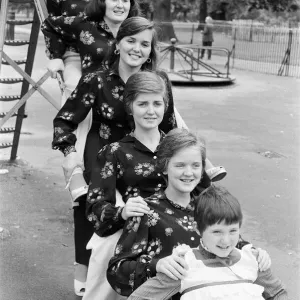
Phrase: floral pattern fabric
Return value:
(128, 166)
(147, 239)
(92, 40)
(66, 8)
(101, 91)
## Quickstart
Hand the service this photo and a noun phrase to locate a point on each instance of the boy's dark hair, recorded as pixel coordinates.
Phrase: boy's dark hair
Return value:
(215, 205)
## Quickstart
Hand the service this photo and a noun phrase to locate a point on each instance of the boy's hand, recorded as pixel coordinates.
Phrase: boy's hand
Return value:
(173, 266)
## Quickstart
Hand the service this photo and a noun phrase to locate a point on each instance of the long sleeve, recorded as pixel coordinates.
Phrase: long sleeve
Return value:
(160, 287)
(73, 112)
(54, 8)
(131, 266)
(58, 32)
(101, 199)
(274, 289)
(169, 121)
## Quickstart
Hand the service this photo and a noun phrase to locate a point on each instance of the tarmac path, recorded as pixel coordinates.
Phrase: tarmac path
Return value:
(251, 127)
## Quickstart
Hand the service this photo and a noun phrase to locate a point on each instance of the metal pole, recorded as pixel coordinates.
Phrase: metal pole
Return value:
(172, 55)
(3, 16)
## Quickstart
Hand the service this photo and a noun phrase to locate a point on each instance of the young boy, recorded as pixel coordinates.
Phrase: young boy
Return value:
(217, 269)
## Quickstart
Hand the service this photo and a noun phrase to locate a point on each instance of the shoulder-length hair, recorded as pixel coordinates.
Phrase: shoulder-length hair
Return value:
(144, 82)
(129, 27)
(95, 10)
(176, 140)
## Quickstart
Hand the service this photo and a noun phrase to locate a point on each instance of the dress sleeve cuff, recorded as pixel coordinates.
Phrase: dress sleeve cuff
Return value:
(152, 266)
(66, 151)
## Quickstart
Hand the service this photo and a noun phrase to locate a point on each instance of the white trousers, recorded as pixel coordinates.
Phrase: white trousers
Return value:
(97, 286)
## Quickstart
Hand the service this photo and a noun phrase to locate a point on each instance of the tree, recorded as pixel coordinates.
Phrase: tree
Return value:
(162, 17)
(202, 13)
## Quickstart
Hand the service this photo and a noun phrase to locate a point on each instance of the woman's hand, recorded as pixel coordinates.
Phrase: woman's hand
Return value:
(54, 66)
(263, 259)
(173, 266)
(135, 207)
(70, 162)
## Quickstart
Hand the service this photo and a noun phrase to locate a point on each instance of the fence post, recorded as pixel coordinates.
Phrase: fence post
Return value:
(250, 34)
(233, 47)
(192, 37)
(172, 54)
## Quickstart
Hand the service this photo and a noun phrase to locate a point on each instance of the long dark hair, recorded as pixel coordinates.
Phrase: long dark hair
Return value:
(95, 10)
(132, 26)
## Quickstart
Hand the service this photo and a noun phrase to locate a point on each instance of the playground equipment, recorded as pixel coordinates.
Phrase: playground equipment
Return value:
(18, 110)
(192, 69)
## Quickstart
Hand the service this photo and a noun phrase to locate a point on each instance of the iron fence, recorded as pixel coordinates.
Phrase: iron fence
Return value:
(253, 46)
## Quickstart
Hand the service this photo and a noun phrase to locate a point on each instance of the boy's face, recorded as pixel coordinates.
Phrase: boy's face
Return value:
(221, 239)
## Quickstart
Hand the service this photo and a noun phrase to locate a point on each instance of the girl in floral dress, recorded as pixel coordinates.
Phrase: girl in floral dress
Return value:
(146, 244)
(77, 42)
(217, 270)
(102, 93)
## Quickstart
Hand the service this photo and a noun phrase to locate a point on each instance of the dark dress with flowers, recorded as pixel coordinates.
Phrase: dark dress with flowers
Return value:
(65, 8)
(103, 93)
(92, 40)
(147, 239)
(129, 166)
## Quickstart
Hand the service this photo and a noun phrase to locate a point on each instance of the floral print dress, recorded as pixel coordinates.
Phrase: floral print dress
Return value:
(103, 93)
(91, 39)
(65, 8)
(147, 239)
(129, 166)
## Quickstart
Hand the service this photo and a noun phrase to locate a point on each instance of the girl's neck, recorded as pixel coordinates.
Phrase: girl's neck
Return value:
(150, 138)
(114, 27)
(126, 71)
(182, 199)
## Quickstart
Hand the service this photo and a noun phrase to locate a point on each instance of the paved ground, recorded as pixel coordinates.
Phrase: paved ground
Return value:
(252, 128)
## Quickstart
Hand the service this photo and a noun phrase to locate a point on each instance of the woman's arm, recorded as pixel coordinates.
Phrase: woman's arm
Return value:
(58, 32)
(73, 112)
(169, 121)
(131, 265)
(101, 199)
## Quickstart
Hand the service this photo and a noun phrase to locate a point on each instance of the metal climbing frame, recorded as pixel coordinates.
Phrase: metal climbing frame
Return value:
(18, 110)
(192, 68)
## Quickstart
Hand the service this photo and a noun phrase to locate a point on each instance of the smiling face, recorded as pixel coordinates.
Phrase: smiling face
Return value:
(148, 110)
(116, 10)
(220, 238)
(135, 49)
(184, 171)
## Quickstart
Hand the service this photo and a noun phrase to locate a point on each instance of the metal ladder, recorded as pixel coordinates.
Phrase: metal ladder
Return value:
(18, 110)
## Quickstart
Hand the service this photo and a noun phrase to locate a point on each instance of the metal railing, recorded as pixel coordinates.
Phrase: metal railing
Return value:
(273, 50)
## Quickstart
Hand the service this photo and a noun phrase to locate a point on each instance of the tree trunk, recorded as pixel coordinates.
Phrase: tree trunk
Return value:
(163, 20)
(202, 14)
